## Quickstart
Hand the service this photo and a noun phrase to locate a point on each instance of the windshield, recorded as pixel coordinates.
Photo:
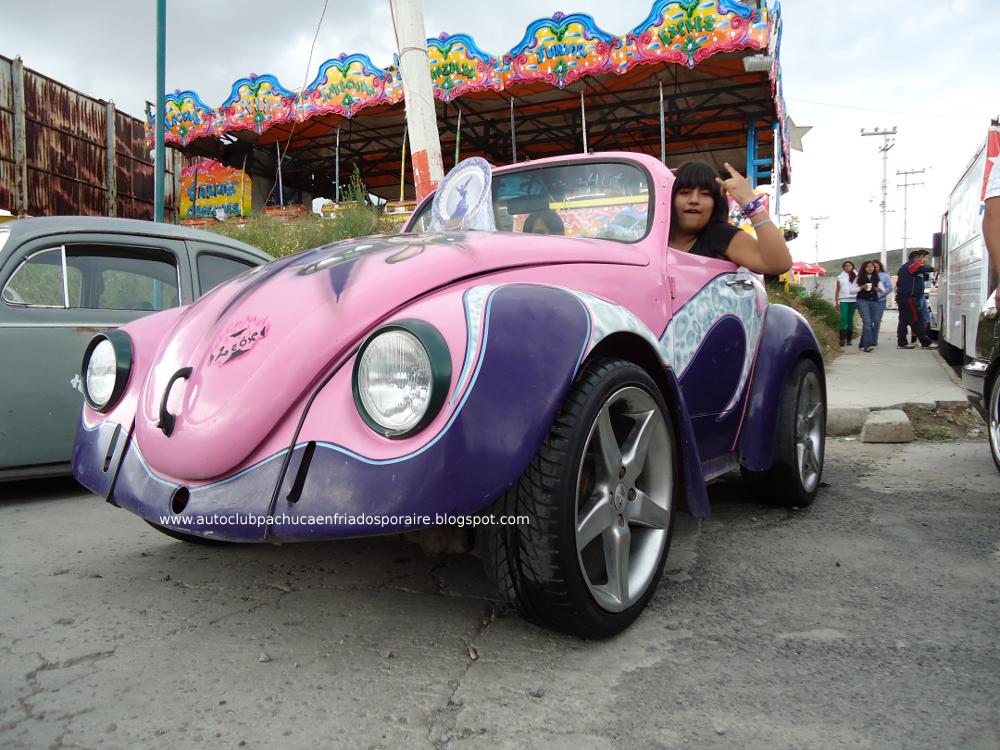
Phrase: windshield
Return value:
(602, 200)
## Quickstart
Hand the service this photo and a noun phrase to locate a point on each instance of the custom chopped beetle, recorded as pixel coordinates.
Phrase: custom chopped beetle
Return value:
(563, 365)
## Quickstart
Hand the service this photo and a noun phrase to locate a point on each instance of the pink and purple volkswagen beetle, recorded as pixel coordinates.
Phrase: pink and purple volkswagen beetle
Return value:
(589, 384)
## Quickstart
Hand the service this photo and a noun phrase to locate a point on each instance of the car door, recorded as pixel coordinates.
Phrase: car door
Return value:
(713, 335)
(57, 292)
(214, 264)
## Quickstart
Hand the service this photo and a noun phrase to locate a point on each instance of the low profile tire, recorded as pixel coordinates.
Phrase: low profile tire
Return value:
(993, 420)
(599, 497)
(800, 442)
(189, 538)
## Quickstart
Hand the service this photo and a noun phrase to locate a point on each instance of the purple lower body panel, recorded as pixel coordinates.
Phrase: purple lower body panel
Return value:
(97, 453)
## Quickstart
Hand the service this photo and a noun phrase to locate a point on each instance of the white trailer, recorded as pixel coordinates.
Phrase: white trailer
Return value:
(965, 273)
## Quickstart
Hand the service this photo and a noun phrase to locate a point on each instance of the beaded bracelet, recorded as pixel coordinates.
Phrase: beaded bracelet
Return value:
(753, 206)
(762, 222)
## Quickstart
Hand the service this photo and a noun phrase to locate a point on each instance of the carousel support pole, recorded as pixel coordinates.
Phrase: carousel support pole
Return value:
(513, 134)
(458, 133)
(243, 184)
(336, 172)
(663, 130)
(281, 187)
(418, 91)
(402, 167)
(752, 153)
(159, 165)
(583, 116)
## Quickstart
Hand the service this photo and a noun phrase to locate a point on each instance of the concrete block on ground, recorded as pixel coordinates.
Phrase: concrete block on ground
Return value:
(887, 426)
(845, 420)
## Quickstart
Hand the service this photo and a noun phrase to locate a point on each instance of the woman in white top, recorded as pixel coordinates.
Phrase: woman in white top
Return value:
(847, 296)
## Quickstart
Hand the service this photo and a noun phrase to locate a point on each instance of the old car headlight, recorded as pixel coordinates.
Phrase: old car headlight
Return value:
(106, 366)
(401, 377)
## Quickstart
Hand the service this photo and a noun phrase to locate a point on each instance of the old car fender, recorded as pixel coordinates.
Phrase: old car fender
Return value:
(101, 437)
(786, 339)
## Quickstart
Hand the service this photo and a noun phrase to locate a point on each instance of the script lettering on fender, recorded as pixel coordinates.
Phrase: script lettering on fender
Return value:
(238, 340)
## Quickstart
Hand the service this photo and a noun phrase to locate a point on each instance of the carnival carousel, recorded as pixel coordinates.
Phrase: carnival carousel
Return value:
(693, 78)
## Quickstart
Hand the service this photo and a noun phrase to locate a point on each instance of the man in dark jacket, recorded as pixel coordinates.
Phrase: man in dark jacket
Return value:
(909, 298)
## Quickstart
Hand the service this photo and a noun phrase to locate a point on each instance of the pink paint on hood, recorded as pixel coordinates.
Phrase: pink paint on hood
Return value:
(259, 344)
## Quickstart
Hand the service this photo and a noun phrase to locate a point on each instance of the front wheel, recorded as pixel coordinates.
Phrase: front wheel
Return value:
(599, 497)
(993, 420)
(800, 442)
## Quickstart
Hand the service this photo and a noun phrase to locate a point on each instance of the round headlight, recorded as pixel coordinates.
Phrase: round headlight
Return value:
(106, 366)
(101, 373)
(401, 378)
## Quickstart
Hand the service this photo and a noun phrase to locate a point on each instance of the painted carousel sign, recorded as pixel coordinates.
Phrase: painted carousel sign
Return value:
(555, 51)
(209, 187)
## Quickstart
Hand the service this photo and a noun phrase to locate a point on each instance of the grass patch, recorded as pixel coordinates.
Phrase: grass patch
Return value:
(823, 316)
(356, 218)
(946, 422)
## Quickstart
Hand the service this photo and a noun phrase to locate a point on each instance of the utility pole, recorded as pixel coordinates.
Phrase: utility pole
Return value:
(887, 143)
(906, 186)
(421, 117)
(816, 222)
(159, 167)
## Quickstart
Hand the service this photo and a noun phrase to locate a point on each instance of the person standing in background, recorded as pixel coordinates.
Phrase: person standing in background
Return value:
(868, 282)
(847, 296)
(884, 290)
(909, 297)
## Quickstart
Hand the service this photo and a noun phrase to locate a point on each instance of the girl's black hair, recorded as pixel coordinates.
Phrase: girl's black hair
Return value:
(698, 175)
(853, 273)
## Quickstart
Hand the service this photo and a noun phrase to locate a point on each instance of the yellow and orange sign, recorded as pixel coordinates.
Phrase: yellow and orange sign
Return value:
(209, 187)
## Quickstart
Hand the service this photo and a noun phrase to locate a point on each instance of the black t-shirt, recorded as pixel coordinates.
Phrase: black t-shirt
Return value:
(714, 240)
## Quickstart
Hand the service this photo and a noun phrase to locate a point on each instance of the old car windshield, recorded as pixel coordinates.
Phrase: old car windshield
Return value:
(602, 200)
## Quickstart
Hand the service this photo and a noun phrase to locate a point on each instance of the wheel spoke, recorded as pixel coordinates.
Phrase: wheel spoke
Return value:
(645, 512)
(617, 544)
(636, 447)
(611, 455)
(595, 521)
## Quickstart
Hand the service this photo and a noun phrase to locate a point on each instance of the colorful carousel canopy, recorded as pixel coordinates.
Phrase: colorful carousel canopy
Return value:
(695, 78)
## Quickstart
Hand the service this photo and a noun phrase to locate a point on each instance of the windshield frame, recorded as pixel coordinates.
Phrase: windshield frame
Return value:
(425, 205)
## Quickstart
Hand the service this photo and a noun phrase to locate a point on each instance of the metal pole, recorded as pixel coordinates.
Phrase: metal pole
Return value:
(458, 134)
(159, 165)
(20, 141)
(583, 115)
(906, 186)
(513, 134)
(884, 149)
(281, 186)
(817, 220)
(243, 185)
(663, 130)
(336, 173)
(418, 91)
(111, 147)
(402, 167)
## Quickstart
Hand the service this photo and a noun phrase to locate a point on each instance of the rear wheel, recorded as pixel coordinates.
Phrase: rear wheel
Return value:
(794, 476)
(599, 497)
(993, 419)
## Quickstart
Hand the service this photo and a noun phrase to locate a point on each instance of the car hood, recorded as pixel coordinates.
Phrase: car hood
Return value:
(260, 343)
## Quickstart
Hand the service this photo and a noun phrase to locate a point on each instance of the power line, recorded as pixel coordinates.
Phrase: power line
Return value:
(885, 111)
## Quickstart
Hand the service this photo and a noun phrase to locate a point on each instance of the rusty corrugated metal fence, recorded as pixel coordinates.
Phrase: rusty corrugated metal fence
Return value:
(63, 152)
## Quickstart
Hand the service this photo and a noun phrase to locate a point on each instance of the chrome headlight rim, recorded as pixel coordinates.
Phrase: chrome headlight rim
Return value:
(440, 360)
(122, 346)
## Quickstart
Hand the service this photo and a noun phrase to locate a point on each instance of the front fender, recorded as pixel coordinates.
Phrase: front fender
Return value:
(533, 340)
(786, 339)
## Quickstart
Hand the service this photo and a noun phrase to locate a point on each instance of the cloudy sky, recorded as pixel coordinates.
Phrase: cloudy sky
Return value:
(931, 68)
